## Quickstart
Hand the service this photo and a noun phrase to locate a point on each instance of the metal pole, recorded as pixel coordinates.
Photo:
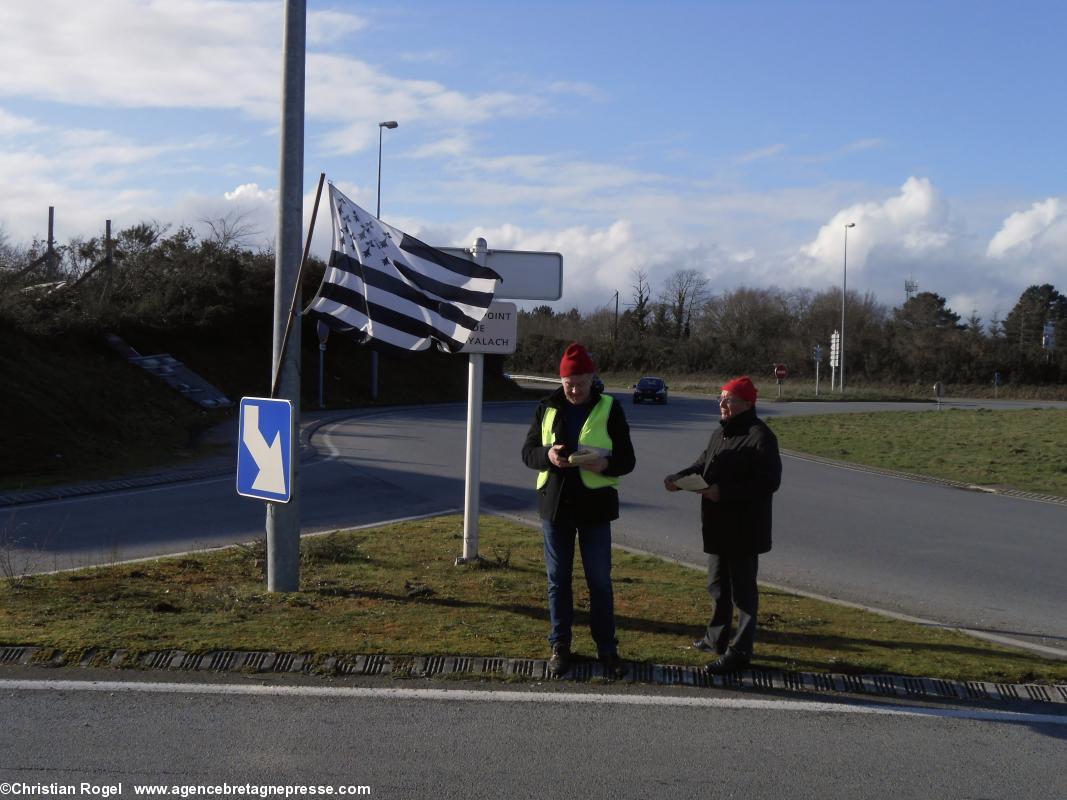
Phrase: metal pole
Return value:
(51, 252)
(615, 336)
(322, 364)
(283, 519)
(471, 500)
(844, 283)
(816, 378)
(390, 124)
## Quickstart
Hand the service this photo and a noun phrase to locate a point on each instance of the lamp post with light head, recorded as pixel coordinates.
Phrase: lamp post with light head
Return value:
(390, 124)
(844, 283)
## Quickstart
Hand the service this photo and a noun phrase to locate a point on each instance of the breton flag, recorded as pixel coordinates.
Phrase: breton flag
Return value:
(393, 292)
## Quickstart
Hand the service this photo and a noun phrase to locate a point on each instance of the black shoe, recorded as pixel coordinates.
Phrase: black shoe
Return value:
(612, 665)
(729, 662)
(703, 646)
(560, 660)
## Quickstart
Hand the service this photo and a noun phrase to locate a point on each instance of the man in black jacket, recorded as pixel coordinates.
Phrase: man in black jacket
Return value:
(579, 443)
(742, 469)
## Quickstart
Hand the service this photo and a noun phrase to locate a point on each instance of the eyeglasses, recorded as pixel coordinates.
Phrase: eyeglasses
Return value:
(729, 398)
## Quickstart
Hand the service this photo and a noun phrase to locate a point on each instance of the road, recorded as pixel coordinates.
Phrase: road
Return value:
(411, 741)
(966, 559)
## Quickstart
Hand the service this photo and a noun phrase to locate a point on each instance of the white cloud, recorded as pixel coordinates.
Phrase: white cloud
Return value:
(324, 27)
(914, 224)
(13, 125)
(1024, 232)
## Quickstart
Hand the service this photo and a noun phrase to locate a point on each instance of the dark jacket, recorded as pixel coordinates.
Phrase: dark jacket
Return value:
(581, 504)
(742, 458)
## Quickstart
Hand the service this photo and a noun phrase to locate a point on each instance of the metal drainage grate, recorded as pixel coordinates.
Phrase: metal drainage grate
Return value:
(222, 661)
(914, 686)
(1007, 691)
(822, 683)
(762, 679)
(851, 683)
(9, 655)
(884, 684)
(944, 688)
(526, 667)
(976, 690)
(377, 665)
(157, 660)
(491, 665)
(403, 667)
(1038, 693)
(794, 681)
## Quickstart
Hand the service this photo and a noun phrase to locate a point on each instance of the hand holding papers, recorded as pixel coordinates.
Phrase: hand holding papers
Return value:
(691, 483)
(586, 455)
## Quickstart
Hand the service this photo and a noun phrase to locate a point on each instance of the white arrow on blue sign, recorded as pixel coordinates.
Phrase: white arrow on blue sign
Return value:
(265, 449)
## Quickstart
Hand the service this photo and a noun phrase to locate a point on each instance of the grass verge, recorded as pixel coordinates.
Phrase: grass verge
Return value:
(1024, 449)
(395, 590)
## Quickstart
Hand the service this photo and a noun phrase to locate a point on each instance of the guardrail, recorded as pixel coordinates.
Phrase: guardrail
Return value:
(534, 378)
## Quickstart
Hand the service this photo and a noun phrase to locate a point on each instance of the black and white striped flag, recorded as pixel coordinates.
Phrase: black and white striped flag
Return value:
(393, 292)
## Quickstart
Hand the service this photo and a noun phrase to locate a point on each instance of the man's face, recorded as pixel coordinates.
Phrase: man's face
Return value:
(577, 387)
(731, 405)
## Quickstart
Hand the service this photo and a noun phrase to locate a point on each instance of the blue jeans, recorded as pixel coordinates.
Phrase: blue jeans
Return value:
(595, 543)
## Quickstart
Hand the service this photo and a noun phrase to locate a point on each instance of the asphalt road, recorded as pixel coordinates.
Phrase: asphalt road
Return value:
(963, 558)
(408, 741)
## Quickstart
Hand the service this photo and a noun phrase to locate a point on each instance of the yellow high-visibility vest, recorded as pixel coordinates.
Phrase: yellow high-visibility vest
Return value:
(594, 434)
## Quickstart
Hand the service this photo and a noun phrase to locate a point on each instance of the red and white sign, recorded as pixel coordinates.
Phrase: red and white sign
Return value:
(780, 371)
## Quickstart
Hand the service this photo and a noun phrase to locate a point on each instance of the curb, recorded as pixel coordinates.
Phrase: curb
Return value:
(1018, 494)
(757, 680)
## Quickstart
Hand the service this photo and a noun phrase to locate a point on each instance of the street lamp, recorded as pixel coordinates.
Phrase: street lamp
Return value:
(390, 124)
(844, 283)
(381, 126)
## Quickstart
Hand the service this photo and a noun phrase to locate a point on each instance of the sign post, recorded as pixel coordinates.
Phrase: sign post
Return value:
(780, 373)
(835, 356)
(525, 275)
(817, 355)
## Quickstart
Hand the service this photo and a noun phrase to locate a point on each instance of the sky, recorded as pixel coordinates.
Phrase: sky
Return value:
(733, 138)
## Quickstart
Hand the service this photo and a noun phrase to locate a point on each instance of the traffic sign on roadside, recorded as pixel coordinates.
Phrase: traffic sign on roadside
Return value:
(265, 449)
(780, 372)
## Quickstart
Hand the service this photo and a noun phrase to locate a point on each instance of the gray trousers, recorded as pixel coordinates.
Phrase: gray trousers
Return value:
(732, 583)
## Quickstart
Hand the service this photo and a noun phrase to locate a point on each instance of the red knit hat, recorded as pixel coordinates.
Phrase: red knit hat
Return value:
(576, 361)
(741, 387)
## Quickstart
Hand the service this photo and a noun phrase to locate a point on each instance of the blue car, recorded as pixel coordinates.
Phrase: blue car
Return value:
(650, 390)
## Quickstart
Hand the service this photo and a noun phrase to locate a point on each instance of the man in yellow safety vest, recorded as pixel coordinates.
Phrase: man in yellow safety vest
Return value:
(579, 443)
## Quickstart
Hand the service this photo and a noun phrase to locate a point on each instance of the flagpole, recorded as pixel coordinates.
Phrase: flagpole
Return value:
(299, 284)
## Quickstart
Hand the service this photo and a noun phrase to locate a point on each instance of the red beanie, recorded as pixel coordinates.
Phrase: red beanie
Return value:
(741, 387)
(576, 361)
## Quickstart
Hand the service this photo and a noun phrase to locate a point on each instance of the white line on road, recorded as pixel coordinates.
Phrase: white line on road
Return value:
(480, 695)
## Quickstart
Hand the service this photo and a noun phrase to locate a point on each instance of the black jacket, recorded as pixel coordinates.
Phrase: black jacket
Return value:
(742, 458)
(582, 505)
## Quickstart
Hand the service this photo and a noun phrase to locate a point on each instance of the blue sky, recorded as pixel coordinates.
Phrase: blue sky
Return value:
(728, 137)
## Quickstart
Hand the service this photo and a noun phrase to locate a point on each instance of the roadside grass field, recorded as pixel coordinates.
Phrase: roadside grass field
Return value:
(1024, 449)
(395, 590)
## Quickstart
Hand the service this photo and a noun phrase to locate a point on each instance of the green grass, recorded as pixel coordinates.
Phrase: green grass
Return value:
(797, 389)
(396, 590)
(1024, 449)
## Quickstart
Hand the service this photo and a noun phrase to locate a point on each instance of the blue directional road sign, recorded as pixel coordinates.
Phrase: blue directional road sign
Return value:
(265, 449)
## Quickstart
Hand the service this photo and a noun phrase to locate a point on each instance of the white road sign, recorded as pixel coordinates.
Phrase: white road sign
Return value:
(497, 331)
(525, 274)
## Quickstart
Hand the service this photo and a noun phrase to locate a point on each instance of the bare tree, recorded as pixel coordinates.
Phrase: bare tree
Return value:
(642, 294)
(684, 290)
(233, 229)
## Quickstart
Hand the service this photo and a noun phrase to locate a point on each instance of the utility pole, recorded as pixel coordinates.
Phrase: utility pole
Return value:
(283, 519)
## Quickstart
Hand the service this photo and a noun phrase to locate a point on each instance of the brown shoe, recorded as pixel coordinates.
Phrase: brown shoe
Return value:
(560, 661)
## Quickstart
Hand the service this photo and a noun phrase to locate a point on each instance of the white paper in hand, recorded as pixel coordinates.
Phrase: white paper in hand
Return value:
(691, 483)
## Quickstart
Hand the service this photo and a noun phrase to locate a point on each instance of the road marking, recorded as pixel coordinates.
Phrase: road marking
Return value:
(506, 696)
